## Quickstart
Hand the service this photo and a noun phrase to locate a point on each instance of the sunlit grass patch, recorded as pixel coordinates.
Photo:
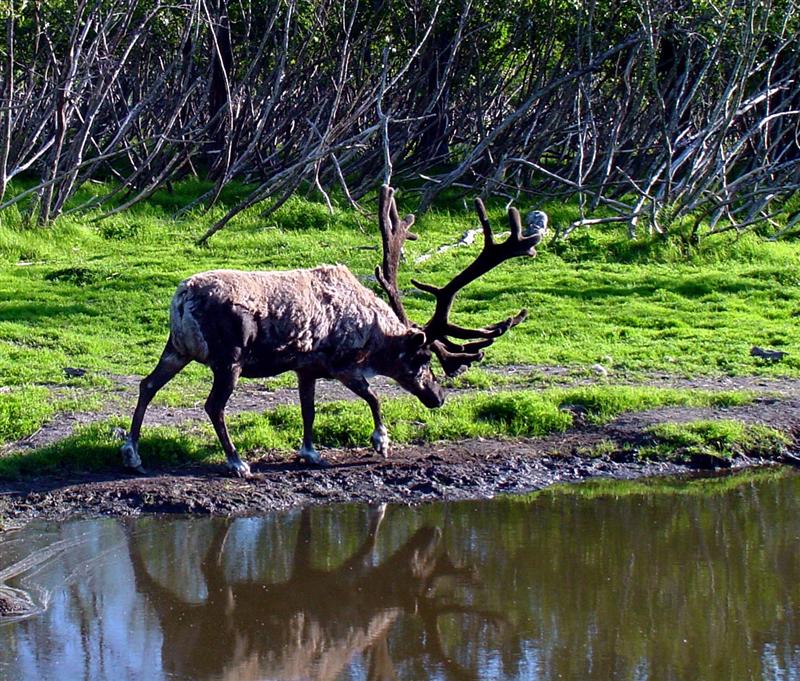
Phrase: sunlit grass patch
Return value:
(719, 439)
(96, 447)
(603, 403)
(477, 379)
(182, 393)
(23, 410)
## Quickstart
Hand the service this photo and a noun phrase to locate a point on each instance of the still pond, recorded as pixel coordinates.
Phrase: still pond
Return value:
(653, 580)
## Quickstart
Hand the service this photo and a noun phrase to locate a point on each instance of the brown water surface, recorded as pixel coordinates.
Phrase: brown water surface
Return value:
(663, 580)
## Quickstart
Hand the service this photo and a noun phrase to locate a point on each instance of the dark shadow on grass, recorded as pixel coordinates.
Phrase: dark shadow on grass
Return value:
(28, 312)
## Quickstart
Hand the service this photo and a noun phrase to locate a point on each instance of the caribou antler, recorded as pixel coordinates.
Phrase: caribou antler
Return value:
(455, 357)
(394, 233)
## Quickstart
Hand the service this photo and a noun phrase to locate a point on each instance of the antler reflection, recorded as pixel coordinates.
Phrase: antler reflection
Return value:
(313, 624)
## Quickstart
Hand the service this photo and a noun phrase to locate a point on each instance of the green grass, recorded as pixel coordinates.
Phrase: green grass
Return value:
(523, 413)
(23, 411)
(719, 439)
(95, 294)
(603, 403)
(94, 447)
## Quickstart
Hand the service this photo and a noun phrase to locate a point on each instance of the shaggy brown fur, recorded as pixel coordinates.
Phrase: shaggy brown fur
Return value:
(298, 312)
(320, 323)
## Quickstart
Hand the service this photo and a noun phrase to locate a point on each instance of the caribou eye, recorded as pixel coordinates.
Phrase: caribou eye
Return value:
(417, 339)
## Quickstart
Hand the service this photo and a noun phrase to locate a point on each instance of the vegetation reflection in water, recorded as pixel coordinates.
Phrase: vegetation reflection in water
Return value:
(653, 580)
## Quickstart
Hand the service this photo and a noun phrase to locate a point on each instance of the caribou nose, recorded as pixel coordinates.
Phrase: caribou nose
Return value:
(435, 399)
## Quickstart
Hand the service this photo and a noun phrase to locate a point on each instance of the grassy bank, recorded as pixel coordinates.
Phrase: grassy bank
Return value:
(714, 441)
(94, 294)
(521, 413)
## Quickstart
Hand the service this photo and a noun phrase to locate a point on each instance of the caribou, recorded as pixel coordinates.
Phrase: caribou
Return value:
(322, 323)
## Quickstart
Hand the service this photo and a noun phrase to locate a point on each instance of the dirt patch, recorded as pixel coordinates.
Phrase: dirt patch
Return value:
(462, 470)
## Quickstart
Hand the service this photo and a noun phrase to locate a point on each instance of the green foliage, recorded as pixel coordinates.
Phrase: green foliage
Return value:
(722, 439)
(23, 410)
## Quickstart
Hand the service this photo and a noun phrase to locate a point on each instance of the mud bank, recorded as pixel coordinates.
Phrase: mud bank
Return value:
(471, 469)
(467, 470)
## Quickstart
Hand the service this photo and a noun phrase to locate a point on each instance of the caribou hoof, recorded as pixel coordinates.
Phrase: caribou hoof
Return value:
(311, 457)
(130, 456)
(239, 469)
(380, 441)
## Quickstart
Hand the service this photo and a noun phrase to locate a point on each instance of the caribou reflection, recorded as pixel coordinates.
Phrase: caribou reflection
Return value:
(313, 624)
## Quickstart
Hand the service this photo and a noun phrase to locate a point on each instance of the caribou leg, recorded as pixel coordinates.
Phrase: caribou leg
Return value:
(380, 436)
(307, 386)
(225, 379)
(168, 367)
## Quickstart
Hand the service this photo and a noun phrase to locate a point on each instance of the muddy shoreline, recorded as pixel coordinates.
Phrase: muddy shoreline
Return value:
(465, 470)
(472, 469)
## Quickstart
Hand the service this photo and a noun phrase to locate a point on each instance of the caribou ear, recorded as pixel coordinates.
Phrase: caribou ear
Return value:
(416, 339)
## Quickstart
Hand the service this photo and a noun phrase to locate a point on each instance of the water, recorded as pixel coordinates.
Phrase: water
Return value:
(681, 581)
